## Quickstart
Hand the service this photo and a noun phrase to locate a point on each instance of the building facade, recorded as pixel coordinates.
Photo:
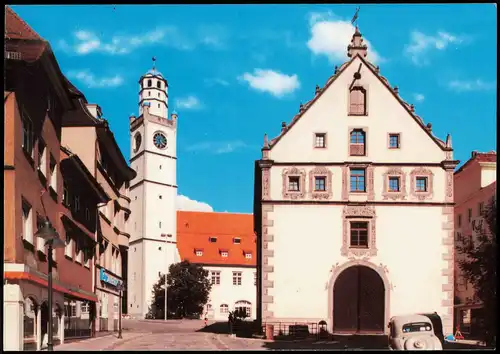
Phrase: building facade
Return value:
(225, 245)
(86, 133)
(36, 98)
(354, 209)
(475, 190)
(153, 193)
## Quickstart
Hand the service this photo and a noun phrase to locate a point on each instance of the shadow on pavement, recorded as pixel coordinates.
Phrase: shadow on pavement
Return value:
(217, 327)
(335, 342)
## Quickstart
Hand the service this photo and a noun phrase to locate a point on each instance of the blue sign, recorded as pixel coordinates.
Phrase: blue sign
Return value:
(108, 278)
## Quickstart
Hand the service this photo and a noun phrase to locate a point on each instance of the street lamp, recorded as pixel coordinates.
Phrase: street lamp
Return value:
(120, 288)
(52, 239)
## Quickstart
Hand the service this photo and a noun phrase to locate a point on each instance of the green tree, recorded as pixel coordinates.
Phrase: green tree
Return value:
(188, 288)
(479, 266)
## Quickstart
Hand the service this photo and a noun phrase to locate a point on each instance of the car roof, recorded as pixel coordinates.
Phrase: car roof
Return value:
(404, 319)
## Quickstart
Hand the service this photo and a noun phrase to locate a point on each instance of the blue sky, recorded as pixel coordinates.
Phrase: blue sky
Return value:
(236, 72)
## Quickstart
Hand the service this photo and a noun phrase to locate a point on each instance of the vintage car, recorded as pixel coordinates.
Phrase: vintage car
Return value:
(412, 332)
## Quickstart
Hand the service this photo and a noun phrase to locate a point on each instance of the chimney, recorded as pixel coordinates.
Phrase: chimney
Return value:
(474, 153)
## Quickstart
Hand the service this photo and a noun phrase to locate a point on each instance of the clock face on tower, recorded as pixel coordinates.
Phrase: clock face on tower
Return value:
(160, 140)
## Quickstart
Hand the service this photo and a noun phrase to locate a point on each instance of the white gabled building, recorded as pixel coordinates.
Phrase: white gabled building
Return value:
(354, 209)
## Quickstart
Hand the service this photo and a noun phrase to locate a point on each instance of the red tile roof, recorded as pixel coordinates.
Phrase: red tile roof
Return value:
(16, 28)
(479, 157)
(21, 38)
(194, 229)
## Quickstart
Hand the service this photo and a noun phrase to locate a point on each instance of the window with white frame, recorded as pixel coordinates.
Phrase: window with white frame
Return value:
(27, 221)
(42, 157)
(87, 254)
(27, 134)
(224, 254)
(244, 306)
(236, 278)
(40, 221)
(248, 255)
(199, 253)
(53, 173)
(224, 308)
(85, 307)
(215, 277)
(68, 250)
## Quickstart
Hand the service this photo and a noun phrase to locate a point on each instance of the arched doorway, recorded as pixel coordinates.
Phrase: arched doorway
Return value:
(359, 301)
(244, 305)
(44, 319)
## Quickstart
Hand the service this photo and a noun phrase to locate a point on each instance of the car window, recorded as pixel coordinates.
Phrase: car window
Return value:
(417, 327)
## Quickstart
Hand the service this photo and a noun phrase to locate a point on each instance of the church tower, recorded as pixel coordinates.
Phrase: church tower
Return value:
(152, 224)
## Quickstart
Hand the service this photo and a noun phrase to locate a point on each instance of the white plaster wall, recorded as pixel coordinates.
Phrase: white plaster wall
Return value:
(488, 175)
(170, 133)
(408, 243)
(135, 279)
(154, 254)
(135, 222)
(329, 115)
(227, 293)
(166, 174)
(159, 211)
(161, 111)
(139, 130)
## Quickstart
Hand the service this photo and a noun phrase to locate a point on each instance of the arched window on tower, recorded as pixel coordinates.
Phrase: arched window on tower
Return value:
(150, 83)
(149, 93)
(158, 84)
(357, 101)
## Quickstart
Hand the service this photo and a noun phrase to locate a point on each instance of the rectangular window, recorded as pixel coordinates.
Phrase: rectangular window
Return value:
(481, 208)
(42, 157)
(293, 184)
(199, 253)
(459, 221)
(357, 142)
(357, 101)
(459, 237)
(68, 250)
(224, 254)
(359, 234)
(27, 221)
(358, 180)
(394, 141)
(215, 278)
(78, 252)
(393, 184)
(40, 221)
(76, 206)
(237, 240)
(236, 278)
(319, 183)
(421, 184)
(212, 239)
(320, 140)
(469, 215)
(248, 255)
(87, 257)
(53, 173)
(85, 307)
(27, 134)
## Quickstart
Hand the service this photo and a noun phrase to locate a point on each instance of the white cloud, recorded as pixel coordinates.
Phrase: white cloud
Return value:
(330, 36)
(216, 81)
(217, 147)
(271, 81)
(472, 85)
(190, 102)
(421, 44)
(186, 204)
(418, 97)
(90, 81)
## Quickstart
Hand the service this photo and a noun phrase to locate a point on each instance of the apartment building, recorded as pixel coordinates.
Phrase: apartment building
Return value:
(475, 189)
(86, 133)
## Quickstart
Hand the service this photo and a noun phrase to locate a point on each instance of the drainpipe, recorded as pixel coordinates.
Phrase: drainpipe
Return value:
(94, 282)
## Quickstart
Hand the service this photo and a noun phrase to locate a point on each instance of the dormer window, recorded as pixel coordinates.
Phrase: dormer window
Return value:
(198, 252)
(236, 240)
(212, 239)
(357, 145)
(224, 253)
(357, 101)
(248, 255)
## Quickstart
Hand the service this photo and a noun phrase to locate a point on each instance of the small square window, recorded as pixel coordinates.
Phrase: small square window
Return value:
(294, 184)
(224, 254)
(320, 183)
(320, 141)
(421, 184)
(393, 184)
(212, 239)
(236, 240)
(394, 141)
(199, 253)
(248, 255)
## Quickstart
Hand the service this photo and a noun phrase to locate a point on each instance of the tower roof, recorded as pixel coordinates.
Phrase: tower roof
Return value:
(154, 72)
(357, 46)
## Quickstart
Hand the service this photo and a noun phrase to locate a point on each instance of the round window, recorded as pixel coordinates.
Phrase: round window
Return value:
(137, 141)
(160, 140)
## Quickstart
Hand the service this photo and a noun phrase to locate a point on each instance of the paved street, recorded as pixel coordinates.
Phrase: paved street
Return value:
(186, 334)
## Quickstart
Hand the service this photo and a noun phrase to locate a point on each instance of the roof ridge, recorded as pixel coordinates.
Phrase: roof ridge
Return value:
(24, 23)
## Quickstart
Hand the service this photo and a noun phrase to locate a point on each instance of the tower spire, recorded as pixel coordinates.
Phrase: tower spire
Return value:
(357, 46)
(154, 63)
